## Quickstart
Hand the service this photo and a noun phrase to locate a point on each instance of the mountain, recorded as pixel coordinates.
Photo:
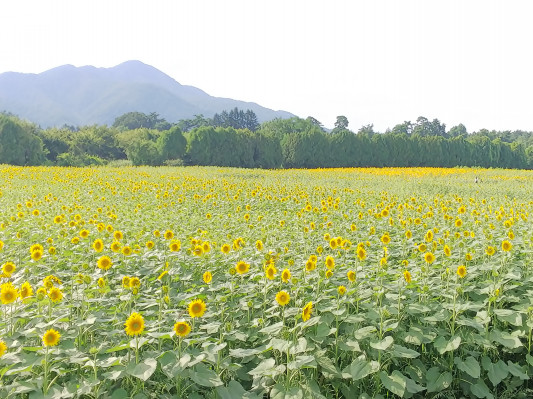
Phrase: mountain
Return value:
(88, 95)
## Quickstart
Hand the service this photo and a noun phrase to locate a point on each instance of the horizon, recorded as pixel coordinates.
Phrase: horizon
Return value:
(381, 63)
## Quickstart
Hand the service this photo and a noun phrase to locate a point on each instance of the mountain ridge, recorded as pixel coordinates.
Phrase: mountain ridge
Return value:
(93, 95)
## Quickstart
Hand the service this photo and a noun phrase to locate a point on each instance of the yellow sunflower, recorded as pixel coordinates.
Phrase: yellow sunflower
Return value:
(26, 290)
(55, 294)
(285, 275)
(8, 293)
(283, 298)
(175, 246)
(407, 276)
(330, 262)
(126, 250)
(461, 271)
(490, 250)
(134, 325)
(306, 311)
(98, 245)
(361, 252)
(51, 337)
(126, 282)
(8, 269)
(117, 235)
(115, 246)
(242, 267)
(506, 246)
(429, 257)
(225, 249)
(270, 272)
(135, 282)
(36, 255)
(149, 244)
(341, 290)
(3, 348)
(169, 235)
(105, 263)
(259, 245)
(351, 275)
(182, 329)
(197, 308)
(207, 277)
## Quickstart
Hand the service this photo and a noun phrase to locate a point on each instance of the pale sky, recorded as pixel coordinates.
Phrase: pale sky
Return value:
(374, 61)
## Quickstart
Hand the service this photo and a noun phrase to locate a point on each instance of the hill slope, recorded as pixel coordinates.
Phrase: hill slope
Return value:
(89, 95)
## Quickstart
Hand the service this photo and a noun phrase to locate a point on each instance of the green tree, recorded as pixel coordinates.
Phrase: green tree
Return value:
(19, 142)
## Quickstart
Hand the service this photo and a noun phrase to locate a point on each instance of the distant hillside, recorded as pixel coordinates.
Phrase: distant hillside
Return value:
(89, 95)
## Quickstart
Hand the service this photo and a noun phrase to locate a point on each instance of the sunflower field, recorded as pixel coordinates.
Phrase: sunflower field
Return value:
(225, 283)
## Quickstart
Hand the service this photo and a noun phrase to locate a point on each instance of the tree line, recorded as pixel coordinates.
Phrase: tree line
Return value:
(235, 139)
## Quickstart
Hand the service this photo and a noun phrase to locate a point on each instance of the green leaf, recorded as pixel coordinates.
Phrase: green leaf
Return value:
(279, 392)
(204, 376)
(364, 332)
(505, 339)
(273, 329)
(470, 366)
(481, 390)
(120, 393)
(496, 372)
(234, 390)
(438, 381)
(360, 368)
(249, 352)
(383, 344)
(510, 316)
(143, 370)
(516, 370)
(267, 368)
(349, 346)
(402, 351)
(396, 382)
(302, 361)
(444, 346)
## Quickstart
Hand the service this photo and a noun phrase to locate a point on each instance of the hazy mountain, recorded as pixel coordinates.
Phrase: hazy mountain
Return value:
(89, 95)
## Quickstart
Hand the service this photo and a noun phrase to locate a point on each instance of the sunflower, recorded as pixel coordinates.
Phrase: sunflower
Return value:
(197, 308)
(283, 298)
(1, 245)
(407, 276)
(206, 247)
(351, 275)
(117, 235)
(135, 282)
(134, 325)
(329, 273)
(285, 275)
(162, 275)
(3, 348)
(429, 257)
(330, 262)
(198, 250)
(8, 269)
(408, 234)
(429, 236)
(270, 272)
(126, 250)
(259, 245)
(74, 241)
(242, 267)
(506, 246)
(98, 245)
(468, 256)
(182, 329)
(8, 293)
(36, 247)
(51, 337)
(149, 244)
(55, 294)
(490, 250)
(385, 239)
(51, 250)
(84, 233)
(105, 263)
(333, 243)
(115, 246)
(458, 222)
(310, 265)
(341, 290)
(361, 252)
(169, 235)
(26, 290)
(306, 311)
(126, 282)
(447, 250)
(225, 249)
(461, 271)
(422, 247)
(207, 277)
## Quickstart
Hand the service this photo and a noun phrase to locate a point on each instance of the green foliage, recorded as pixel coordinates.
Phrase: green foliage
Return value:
(19, 143)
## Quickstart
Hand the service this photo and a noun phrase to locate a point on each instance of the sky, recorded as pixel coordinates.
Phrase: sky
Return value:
(379, 62)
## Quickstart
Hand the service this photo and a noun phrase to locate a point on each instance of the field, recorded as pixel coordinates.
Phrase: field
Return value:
(228, 283)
